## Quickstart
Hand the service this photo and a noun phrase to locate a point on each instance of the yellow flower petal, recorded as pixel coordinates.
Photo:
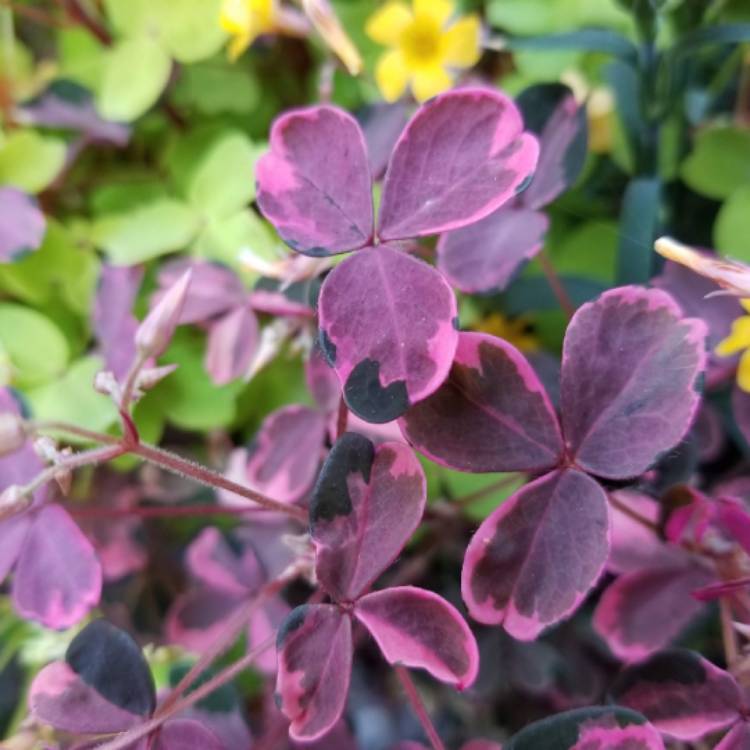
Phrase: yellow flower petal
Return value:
(743, 372)
(429, 82)
(391, 75)
(386, 25)
(235, 16)
(238, 44)
(737, 340)
(438, 10)
(745, 304)
(462, 42)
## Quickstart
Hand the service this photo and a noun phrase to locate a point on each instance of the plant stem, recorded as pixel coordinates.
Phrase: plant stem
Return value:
(71, 429)
(82, 18)
(342, 418)
(129, 738)
(228, 635)
(202, 475)
(85, 458)
(159, 511)
(728, 634)
(481, 493)
(623, 508)
(33, 14)
(558, 289)
(419, 708)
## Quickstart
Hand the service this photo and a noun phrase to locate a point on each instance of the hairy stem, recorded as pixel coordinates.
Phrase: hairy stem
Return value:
(202, 475)
(228, 635)
(129, 738)
(160, 511)
(419, 708)
(77, 460)
(71, 429)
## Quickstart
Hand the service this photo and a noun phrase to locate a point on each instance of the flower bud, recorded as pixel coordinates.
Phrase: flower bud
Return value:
(13, 500)
(156, 330)
(326, 23)
(12, 435)
(147, 379)
(106, 384)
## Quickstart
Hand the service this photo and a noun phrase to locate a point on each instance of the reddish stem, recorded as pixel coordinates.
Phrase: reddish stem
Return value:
(558, 289)
(202, 475)
(82, 18)
(342, 418)
(419, 708)
(160, 511)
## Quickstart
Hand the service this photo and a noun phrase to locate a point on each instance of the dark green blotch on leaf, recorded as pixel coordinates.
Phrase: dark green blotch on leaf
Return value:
(110, 661)
(352, 454)
(369, 400)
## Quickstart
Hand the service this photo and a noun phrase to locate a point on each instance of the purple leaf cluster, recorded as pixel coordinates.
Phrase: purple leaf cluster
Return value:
(386, 318)
(486, 254)
(366, 504)
(104, 686)
(628, 393)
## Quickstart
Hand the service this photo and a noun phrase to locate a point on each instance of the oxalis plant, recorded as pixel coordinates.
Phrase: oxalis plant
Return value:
(342, 574)
(470, 401)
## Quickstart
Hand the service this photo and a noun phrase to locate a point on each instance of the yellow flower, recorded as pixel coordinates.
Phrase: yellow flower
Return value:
(515, 331)
(426, 46)
(245, 21)
(739, 339)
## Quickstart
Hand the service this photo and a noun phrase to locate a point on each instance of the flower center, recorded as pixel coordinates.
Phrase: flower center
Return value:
(421, 42)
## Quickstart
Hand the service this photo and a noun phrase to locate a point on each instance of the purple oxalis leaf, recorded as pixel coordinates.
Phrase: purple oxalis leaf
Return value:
(682, 694)
(594, 728)
(68, 106)
(13, 533)
(491, 414)
(285, 454)
(741, 411)
(619, 738)
(113, 319)
(417, 628)
(315, 660)
(322, 381)
(186, 734)
(643, 611)
(551, 112)
(387, 328)
(58, 578)
(314, 184)
(691, 291)
(462, 156)
(485, 255)
(366, 504)
(60, 698)
(197, 618)
(732, 517)
(104, 684)
(533, 560)
(22, 224)
(635, 546)
(629, 378)
(213, 562)
(737, 739)
(382, 124)
(232, 343)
